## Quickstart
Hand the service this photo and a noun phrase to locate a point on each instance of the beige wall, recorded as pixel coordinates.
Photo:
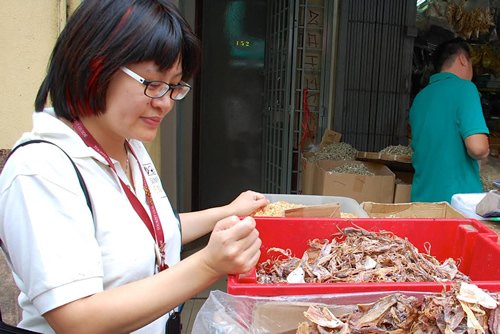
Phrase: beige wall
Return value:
(28, 30)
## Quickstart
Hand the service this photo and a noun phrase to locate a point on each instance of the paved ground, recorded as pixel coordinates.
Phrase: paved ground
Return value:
(11, 313)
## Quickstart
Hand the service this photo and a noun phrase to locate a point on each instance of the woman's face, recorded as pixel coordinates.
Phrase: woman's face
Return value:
(129, 113)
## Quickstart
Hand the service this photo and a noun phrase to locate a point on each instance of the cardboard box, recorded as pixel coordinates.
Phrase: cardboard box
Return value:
(411, 210)
(308, 167)
(362, 188)
(402, 191)
(465, 239)
(494, 142)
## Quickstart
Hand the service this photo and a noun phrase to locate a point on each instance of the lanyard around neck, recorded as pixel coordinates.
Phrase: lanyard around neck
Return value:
(154, 227)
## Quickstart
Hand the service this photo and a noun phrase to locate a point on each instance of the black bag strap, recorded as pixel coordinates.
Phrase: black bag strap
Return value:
(4, 327)
(78, 174)
(8, 329)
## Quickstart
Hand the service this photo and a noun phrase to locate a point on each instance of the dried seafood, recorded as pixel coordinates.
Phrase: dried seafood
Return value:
(463, 309)
(358, 256)
(334, 151)
(276, 209)
(470, 23)
(399, 181)
(397, 150)
(354, 168)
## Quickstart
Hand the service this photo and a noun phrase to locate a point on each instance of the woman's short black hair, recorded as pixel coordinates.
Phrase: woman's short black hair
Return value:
(446, 52)
(103, 35)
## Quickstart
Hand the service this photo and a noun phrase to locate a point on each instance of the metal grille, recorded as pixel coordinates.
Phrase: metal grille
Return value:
(374, 72)
(295, 87)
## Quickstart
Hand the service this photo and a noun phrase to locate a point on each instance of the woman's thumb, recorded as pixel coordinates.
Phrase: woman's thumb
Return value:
(226, 223)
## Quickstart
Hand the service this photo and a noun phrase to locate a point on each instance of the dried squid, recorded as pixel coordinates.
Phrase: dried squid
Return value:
(358, 256)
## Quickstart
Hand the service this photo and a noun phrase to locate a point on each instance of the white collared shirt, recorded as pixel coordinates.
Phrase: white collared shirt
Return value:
(59, 252)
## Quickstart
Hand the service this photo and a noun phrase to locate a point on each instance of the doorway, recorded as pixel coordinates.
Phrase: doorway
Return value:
(228, 122)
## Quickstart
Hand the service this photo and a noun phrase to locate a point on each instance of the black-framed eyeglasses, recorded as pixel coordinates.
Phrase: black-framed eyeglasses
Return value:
(156, 88)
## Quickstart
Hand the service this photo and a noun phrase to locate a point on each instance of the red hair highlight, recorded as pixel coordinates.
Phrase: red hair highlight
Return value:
(96, 67)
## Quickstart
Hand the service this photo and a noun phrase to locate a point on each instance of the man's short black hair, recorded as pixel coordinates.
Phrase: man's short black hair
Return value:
(446, 52)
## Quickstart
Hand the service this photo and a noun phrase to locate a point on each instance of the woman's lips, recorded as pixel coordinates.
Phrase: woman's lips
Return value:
(152, 121)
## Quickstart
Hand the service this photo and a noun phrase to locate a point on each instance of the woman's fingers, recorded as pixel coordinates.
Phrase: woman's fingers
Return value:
(234, 246)
(248, 202)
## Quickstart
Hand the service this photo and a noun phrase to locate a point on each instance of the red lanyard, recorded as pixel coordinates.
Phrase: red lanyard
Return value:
(155, 229)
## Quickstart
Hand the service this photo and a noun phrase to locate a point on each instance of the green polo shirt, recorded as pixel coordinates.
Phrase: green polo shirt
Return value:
(442, 115)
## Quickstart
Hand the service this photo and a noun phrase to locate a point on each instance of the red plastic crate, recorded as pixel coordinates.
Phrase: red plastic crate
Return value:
(466, 240)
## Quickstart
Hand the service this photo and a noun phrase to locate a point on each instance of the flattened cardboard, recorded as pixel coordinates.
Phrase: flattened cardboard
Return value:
(362, 188)
(347, 205)
(285, 317)
(330, 137)
(411, 210)
(329, 210)
(394, 161)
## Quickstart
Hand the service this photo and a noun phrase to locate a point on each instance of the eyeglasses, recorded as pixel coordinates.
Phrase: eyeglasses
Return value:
(156, 88)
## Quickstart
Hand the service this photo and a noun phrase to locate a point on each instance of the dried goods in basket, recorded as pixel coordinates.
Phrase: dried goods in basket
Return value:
(463, 309)
(358, 256)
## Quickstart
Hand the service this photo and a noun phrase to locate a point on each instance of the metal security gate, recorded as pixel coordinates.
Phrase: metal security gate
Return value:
(296, 86)
(373, 75)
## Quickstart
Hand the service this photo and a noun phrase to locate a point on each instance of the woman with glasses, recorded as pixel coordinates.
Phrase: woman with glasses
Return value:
(95, 246)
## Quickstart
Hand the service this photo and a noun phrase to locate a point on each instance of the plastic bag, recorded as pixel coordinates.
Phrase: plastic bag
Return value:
(224, 313)
(466, 204)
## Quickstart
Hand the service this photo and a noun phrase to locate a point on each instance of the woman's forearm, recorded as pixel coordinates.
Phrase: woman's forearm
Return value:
(132, 306)
(197, 224)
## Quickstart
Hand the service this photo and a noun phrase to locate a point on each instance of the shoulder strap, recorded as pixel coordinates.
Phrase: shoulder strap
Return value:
(9, 329)
(4, 327)
(78, 174)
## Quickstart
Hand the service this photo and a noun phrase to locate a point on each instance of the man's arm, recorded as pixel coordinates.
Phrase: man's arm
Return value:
(477, 146)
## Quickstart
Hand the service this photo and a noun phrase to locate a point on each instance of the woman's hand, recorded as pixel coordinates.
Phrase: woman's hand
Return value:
(234, 246)
(247, 203)
(196, 224)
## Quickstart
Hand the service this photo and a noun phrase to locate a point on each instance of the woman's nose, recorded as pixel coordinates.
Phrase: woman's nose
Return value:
(165, 103)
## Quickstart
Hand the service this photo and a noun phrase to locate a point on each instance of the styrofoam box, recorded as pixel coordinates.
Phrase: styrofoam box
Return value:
(467, 240)
(347, 205)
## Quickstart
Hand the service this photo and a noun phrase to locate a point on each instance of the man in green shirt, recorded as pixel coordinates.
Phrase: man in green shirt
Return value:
(449, 133)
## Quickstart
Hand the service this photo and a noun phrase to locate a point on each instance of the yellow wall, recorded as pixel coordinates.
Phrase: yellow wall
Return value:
(28, 31)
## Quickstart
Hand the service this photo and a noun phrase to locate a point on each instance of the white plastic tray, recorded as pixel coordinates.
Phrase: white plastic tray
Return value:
(347, 205)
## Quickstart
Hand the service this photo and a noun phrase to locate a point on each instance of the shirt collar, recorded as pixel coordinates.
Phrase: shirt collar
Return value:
(47, 126)
(442, 76)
